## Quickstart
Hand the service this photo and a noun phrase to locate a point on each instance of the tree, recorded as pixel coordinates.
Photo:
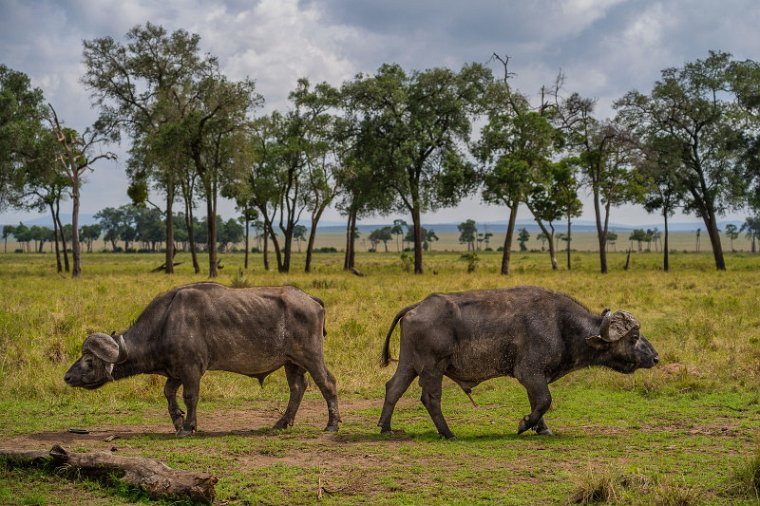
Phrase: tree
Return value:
(419, 122)
(321, 146)
(89, 234)
(215, 137)
(398, 230)
(514, 151)
(656, 175)
(552, 197)
(7, 232)
(468, 232)
(23, 234)
(691, 105)
(430, 238)
(299, 234)
(231, 232)
(604, 152)
(639, 235)
(146, 86)
(77, 159)
(29, 178)
(751, 227)
(21, 113)
(732, 232)
(522, 237)
(379, 235)
(149, 226)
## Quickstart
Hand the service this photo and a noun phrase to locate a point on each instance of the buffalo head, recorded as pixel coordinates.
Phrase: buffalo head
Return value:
(99, 354)
(620, 344)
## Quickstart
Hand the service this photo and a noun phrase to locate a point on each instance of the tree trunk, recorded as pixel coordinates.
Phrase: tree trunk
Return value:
(266, 247)
(601, 233)
(550, 235)
(666, 248)
(211, 227)
(169, 228)
(191, 236)
(569, 239)
(63, 236)
(310, 245)
(58, 266)
(348, 259)
(714, 234)
(507, 253)
(247, 243)
(417, 230)
(76, 269)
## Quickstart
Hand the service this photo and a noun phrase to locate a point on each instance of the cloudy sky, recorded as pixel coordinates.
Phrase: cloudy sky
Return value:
(604, 47)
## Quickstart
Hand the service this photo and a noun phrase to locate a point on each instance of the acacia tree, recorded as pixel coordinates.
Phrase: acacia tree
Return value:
(751, 228)
(77, 158)
(604, 151)
(143, 85)
(514, 150)
(216, 138)
(657, 176)
(468, 231)
(418, 123)
(361, 190)
(29, 177)
(691, 106)
(553, 197)
(319, 144)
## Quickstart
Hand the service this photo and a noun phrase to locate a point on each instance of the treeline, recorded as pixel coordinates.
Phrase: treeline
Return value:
(393, 141)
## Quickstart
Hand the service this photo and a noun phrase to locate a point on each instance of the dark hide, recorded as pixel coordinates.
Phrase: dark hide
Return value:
(205, 326)
(529, 333)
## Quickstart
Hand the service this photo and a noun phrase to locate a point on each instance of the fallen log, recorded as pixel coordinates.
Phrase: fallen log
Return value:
(162, 267)
(157, 479)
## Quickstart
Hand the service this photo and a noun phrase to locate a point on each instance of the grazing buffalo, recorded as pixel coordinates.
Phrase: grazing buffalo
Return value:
(206, 326)
(529, 333)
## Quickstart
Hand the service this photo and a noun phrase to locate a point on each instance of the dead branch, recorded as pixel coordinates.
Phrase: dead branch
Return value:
(157, 479)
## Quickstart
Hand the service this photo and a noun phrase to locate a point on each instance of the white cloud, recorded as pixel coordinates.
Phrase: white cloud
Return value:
(604, 47)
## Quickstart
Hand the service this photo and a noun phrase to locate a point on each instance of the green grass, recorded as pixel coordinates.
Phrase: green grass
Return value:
(682, 433)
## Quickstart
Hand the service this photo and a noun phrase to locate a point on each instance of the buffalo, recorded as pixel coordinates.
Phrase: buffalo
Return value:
(530, 333)
(206, 326)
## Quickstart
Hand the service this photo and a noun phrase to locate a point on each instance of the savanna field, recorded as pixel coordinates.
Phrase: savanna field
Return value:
(686, 432)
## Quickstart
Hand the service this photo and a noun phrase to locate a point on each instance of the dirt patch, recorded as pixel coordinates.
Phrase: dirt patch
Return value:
(211, 424)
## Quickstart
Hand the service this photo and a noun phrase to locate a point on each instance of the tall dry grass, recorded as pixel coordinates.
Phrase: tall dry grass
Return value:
(705, 324)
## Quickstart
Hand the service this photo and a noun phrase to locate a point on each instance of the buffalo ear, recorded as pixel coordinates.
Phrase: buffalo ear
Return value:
(597, 342)
(102, 346)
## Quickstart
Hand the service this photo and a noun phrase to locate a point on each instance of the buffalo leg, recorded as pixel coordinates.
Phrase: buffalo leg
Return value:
(170, 391)
(190, 394)
(542, 429)
(540, 400)
(326, 383)
(430, 381)
(297, 384)
(394, 389)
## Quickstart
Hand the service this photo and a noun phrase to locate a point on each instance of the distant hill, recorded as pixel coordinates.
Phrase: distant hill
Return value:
(530, 225)
(333, 227)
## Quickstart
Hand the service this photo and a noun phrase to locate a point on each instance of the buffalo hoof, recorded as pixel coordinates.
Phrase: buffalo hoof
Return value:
(282, 425)
(331, 428)
(450, 437)
(523, 425)
(184, 433)
(545, 432)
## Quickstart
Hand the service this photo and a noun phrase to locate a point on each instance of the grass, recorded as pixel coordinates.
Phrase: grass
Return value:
(683, 433)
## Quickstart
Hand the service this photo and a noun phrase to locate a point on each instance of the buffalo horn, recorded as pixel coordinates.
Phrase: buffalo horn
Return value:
(604, 330)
